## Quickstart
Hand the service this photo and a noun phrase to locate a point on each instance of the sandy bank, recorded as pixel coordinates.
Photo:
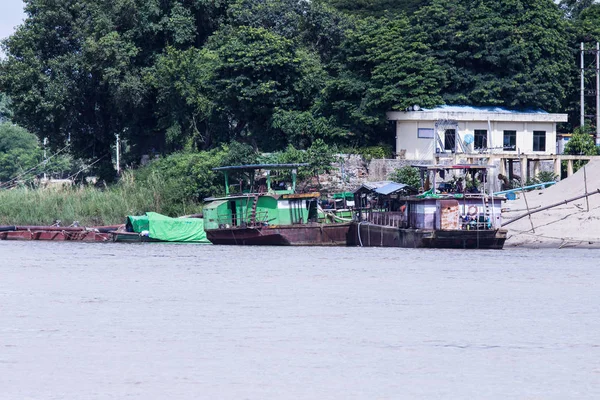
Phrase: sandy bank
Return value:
(568, 225)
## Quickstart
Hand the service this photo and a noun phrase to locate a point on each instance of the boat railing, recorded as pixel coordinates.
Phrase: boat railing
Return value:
(242, 221)
(387, 218)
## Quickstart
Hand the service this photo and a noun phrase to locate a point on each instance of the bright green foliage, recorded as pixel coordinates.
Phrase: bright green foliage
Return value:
(581, 143)
(545, 176)
(187, 175)
(407, 175)
(22, 160)
(320, 156)
(512, 53)
(19, 152)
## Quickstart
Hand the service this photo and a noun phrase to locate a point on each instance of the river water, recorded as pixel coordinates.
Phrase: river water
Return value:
(166, 321)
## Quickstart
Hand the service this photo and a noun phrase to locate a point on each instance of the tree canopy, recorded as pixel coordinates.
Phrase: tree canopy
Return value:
(169, 75)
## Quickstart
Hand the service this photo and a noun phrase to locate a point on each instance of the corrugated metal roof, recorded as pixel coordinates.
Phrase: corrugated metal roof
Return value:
(383, 187)
(391, 188)
(499, 110)
(375, 185)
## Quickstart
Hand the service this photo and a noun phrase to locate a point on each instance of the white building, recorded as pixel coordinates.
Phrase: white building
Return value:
(426, 134)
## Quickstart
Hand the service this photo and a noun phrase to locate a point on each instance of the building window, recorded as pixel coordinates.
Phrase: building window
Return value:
(480, 142)
(449, 139)
(539, 140)
(510, 140)
(425, 133)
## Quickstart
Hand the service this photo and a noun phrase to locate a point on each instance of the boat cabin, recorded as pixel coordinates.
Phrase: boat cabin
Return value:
(260, 195)
(450, 198)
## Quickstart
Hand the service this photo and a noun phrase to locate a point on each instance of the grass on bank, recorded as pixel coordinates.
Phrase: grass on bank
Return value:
(92, 206)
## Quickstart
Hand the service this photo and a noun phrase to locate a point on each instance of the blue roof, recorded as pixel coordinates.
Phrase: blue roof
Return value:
(500, 110)
(390, 188)
(384, 187)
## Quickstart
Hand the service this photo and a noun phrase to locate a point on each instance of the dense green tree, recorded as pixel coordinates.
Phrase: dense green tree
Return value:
(170, 75)
(586, 26)
(511, 53)
(256, 72)
(75, 69)
(381, 66)
(365, 8)
(257, 80)
(185, 109)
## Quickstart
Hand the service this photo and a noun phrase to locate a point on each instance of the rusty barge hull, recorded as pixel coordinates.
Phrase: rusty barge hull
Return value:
(373, 235)
(53, 233)
(294, 235)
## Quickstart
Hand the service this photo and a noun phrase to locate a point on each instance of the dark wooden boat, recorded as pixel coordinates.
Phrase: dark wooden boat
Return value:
(436, 219)
(374, 235)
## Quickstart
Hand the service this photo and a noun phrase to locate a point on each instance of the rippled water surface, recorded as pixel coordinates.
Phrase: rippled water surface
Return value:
(156, 321)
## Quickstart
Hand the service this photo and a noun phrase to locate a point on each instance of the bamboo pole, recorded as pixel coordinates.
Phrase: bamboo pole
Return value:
(527, 205)
(551, 206)
(587, 200)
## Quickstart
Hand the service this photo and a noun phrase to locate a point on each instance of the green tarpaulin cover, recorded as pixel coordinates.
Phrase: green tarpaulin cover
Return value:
(169, 229)
(138, 223)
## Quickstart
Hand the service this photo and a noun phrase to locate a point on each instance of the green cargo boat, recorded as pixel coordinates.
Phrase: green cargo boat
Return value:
(261, 210)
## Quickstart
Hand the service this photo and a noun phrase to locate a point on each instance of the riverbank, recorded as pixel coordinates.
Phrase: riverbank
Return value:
(575, 224)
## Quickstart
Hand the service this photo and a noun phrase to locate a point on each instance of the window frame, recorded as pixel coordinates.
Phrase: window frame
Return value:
(512, 136)
(425, 133)
(449, 145)
(539, 137)
(482, 134)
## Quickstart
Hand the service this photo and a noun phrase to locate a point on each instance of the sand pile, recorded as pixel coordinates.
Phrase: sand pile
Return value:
(568, 225)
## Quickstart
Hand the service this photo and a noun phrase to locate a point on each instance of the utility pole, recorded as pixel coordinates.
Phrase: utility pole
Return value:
(118, 155)
(45, 158)
(597, 93)
(591, 92)
(582, 99)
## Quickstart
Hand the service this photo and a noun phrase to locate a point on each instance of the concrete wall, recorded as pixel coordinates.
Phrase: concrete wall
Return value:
(352, 171)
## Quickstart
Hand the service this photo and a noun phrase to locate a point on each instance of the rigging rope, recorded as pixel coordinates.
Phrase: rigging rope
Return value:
(10, 182)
